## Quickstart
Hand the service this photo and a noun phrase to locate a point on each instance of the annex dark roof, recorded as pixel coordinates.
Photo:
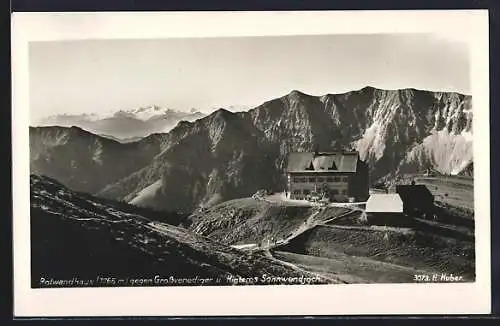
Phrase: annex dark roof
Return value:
(323, 162)
(414, 193)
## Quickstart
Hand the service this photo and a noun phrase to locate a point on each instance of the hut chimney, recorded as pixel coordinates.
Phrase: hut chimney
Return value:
(316, 150)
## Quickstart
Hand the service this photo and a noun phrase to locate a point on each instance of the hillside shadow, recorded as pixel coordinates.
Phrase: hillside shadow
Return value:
(442, 231)
(444, 215)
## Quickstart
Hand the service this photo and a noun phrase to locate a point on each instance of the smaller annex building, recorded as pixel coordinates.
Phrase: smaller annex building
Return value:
(385, 209)
(417, 198)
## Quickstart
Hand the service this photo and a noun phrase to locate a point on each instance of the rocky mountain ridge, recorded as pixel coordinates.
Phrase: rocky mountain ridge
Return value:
(228, 155)
(84, 161)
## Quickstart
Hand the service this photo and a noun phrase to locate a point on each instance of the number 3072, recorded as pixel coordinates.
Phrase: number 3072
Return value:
(421, 278)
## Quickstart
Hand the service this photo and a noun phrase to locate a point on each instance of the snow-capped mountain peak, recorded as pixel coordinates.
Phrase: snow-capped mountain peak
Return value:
(125, 123)
(146, 113)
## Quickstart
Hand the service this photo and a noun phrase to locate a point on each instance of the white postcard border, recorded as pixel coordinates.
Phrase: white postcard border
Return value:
(354, 299)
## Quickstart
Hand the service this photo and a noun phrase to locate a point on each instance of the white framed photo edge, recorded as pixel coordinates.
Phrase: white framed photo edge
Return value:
(353, 299)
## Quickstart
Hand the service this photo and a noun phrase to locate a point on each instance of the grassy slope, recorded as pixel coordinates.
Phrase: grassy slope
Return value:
(454, 191)
(424, 248)
(350, 269)
(146, 197)
(346, 248)
(250, 220)
(74, 235)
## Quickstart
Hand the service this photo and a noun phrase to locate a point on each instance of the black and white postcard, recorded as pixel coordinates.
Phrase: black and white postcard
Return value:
(241, 163)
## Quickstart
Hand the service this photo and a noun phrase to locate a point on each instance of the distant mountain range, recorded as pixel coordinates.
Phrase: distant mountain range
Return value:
(84, 161)
(125, 125)
(228, 155)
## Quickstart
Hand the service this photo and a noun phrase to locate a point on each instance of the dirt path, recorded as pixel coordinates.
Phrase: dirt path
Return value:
(308, 224)
(245, 246)
(157, 227)
(97, 219)
(370, 229)
(301, 270)
(351, 269)
(311, 222)
(335, 218)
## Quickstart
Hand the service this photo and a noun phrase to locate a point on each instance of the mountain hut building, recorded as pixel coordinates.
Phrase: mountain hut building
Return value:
(340, 175)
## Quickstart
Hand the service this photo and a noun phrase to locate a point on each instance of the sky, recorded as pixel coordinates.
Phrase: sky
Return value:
(96, 76)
